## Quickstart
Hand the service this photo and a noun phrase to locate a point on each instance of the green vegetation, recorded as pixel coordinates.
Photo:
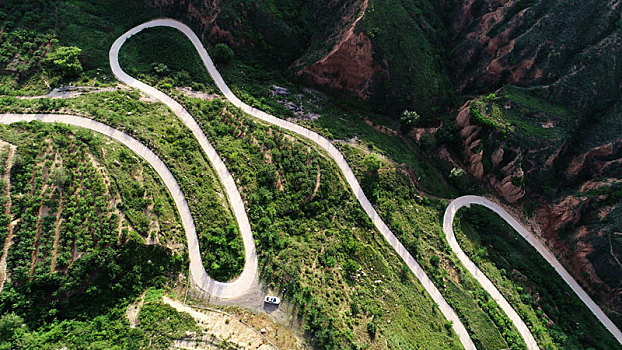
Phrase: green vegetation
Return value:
(63, 61)
(69, 204)
(239, 131)
(33, 32)
(158, 128)
(530, 130)
(418, 76)
(523, 115)
(408, 120)
(159, 57)
(315, 243)
(339, 120)
(556, 316)
(222, 53)
(416, 221)
(103, 327)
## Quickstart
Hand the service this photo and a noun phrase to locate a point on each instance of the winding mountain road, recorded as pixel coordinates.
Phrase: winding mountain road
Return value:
(237, 287)
(249, 275)
(466, 201)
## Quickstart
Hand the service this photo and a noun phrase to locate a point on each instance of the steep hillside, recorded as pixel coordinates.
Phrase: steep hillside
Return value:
(554, 143)
(387, 51)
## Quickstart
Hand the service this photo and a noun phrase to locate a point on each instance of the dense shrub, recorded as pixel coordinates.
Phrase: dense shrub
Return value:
(222, 53)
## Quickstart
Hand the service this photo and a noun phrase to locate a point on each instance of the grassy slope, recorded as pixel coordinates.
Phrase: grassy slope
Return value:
(409, 36)
(556, 316)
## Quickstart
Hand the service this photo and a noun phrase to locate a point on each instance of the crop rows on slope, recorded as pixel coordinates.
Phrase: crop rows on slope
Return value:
(69, 205)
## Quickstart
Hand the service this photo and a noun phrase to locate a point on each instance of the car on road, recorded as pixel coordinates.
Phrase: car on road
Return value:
(272, 300)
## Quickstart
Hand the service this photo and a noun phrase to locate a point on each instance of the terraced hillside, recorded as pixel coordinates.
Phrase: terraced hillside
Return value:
(72, 193)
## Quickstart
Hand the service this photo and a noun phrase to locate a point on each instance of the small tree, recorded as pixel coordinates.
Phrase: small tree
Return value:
(222, 53)
(456, 172)
(408, 120)
(60, 177)
(160, 68)
(447, 134)
(371, 329)
(372, 162)
(435, 260)
(427, 142)
(64, 60)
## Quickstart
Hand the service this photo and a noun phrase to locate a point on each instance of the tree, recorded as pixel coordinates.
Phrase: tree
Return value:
(371, 329)
(427, 142)
(8, 324)
(372, 162)
(435, 260)
(60, 177)
(222, 53)
(456, 172)
(160, 68)
(64, 60)
(408, 120)
(447, 134)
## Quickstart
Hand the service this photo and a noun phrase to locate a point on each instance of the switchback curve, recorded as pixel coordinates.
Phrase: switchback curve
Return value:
(248, 277)
(466, 201)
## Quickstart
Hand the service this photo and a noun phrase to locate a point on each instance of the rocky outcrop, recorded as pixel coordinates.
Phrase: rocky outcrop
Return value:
(499, 176)
(580, 248)
(349, 66)
(595, 162)
(522, 42)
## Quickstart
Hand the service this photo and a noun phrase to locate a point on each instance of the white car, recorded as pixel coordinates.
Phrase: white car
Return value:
(272, 300)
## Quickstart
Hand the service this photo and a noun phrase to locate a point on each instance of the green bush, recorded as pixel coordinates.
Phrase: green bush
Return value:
(408, 120)
(371, 329)
(222, 53)
(64, 61)
(372, 162)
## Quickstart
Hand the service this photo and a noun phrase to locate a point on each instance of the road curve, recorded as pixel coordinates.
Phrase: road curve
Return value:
(248, 276)
(141, 150)
(332, 151)
(466, 201)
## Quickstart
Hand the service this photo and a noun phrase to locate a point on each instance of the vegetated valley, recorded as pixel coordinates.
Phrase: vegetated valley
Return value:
(426, 100)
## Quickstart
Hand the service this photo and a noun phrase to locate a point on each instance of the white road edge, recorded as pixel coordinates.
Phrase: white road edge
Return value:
(466, 201)
(238, 286)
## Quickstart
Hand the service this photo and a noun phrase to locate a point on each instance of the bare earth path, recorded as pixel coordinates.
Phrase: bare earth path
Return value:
(466, 201)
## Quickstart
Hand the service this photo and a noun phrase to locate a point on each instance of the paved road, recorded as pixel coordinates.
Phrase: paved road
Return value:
(466, 201)
(332, 151)
(248, 278)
